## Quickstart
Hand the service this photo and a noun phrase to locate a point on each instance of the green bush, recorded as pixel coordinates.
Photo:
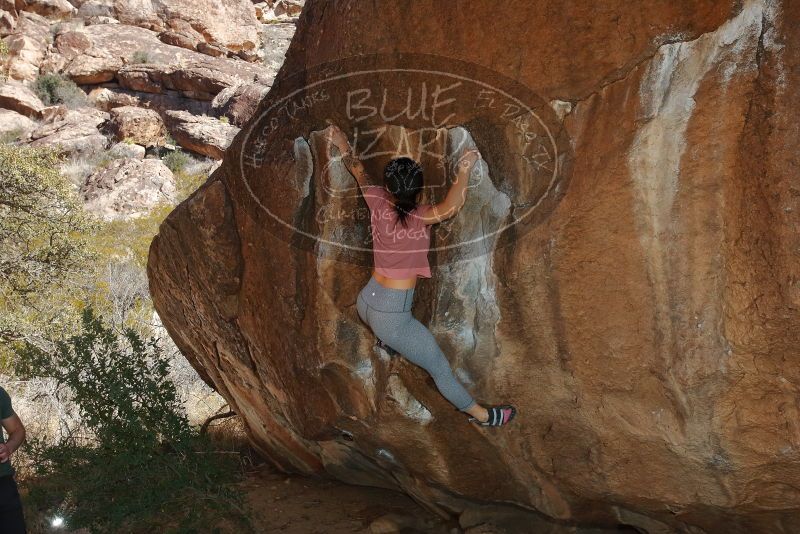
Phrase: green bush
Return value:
(177, 160)
(121, 238)
(136, 463)
(140, 56)
(56, 89)
(187, 183)
(11, 136)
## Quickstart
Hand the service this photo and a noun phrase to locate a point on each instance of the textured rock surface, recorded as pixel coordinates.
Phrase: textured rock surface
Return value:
(205, 135)
(88, 69)
(54, 9)
(277, 37)
(13, 124)
(140, 126)
(644, 320)
(113, 46)
(112, 96)
(7, 23)
(290, 8)
(278, 11)
(27, 46)
(196, 81)
(128, 188)
(18, 97)
(74, 132)
(239, 103)
(230, 23)
(127, 150)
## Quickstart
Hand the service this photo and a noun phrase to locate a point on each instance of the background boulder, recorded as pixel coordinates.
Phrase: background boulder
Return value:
(128, 187)
(138, 125)
(231, 24)
(209, 136)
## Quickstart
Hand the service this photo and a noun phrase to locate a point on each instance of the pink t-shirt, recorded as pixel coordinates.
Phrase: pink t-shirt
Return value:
(399, 251)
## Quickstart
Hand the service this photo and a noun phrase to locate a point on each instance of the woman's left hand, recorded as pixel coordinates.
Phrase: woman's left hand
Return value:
(337, 137)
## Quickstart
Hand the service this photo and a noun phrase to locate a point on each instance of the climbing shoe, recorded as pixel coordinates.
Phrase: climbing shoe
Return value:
(381, 345)
(498, 415)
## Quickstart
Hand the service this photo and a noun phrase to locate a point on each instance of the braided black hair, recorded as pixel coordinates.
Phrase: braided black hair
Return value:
(403, 178)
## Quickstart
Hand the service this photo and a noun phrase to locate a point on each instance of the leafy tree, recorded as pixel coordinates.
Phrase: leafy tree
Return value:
(136, 460)
(55, 257)
(43, 239)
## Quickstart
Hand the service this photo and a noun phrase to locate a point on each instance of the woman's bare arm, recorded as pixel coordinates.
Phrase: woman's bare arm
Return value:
(353, 164)
(356, 168)
(457, 194)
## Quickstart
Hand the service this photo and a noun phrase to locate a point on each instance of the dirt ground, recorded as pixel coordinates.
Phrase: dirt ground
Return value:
(294, 504)
(301, 505)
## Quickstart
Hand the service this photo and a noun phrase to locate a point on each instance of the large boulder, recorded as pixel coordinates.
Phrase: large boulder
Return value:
(238, 103)
(89, 70)
(14, 126)
(140, 61)
(209, 136)
(290, 8)
(625, 269)
(138, 125)
(72, 43)
(127, 150)
(199, 81)
(27, 46)
(20, 98)
(52, 9)
(112, 96)
(276, 41)
(128, 188)
(7, 22)
(231, 24)
(182, 34)
(75, 132)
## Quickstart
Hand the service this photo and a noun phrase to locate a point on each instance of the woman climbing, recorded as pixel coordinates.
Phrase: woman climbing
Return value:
(400, 243)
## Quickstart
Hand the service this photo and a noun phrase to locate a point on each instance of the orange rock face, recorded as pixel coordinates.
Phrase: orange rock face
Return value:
(625, 269)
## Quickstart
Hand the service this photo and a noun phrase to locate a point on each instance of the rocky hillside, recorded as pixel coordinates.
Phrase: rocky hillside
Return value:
(625, 269)
(132, 83)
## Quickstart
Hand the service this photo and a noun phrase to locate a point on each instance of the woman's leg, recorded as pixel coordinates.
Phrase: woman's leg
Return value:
(361, 308)
(414, 341)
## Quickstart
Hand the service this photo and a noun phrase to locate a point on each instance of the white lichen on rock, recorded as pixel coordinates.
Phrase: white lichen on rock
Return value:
(406, 402)
(561, 108)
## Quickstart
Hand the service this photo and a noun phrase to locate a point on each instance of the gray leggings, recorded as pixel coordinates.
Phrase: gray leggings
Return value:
(388, 313)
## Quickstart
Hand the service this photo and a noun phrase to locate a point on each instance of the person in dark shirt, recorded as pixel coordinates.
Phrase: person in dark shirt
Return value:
(12, 520)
